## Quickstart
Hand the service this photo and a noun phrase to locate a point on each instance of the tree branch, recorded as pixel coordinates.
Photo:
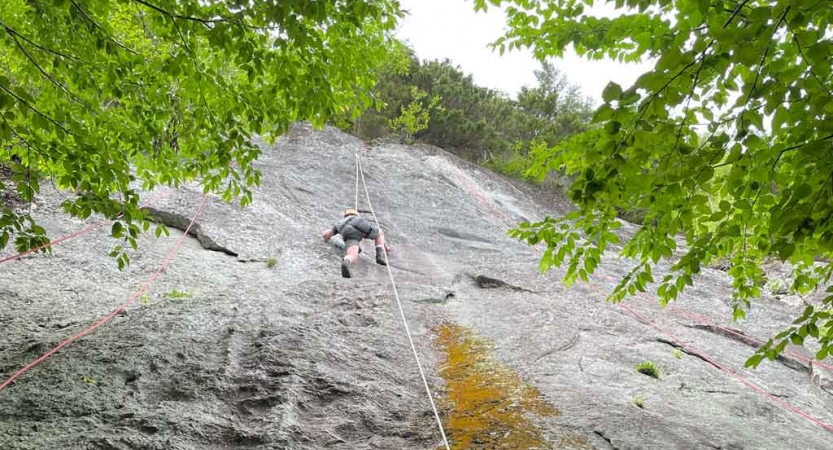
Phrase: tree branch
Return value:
(813, 6)
(49, 77)
(36, 111)
(14, 132)
(766, 52)
(809, 66)
(794, 147)
(735, 13)
(206, 22)
(688, 101)
(96, 25)
(32, 147)
(711, 160)
(39, 47)
(173, 18)
(196, 69)
(656, 94)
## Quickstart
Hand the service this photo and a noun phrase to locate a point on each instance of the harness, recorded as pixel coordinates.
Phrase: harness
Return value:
(361, 224)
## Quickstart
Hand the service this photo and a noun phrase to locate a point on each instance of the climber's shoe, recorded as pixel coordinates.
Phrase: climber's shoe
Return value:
(345, 268)
(380, 256)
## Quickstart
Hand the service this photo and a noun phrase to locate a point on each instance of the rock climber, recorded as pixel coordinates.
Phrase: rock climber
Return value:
(353, 228)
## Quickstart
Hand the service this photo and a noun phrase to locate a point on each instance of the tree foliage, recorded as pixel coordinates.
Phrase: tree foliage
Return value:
(416, 116)
(727, 142)
(478, 123)
(105, 96)
(554, 109)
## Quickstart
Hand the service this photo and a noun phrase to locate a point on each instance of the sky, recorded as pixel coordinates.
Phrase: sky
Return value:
(439, 29)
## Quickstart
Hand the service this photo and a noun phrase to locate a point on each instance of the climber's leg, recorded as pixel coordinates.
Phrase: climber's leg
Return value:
(350, 258)
(381, 249)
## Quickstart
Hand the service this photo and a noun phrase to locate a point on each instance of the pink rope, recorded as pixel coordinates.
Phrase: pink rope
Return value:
(115, 312)
(724, 369)
(92, 227)
(638, 316)
(706, 321)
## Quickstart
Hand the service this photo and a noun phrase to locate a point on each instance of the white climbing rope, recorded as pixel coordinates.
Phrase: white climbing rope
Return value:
(356, 155)
(399, 304)
(357, 180)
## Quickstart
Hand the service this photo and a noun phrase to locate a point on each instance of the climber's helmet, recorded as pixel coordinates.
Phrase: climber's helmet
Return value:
(350, 212)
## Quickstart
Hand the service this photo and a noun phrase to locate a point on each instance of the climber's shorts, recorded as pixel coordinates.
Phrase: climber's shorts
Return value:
(353, 236)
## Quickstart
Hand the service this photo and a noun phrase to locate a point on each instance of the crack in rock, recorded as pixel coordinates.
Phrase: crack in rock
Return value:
(601, 434)
(436, 300)
(729, 447)
(821, 377)
(738, 336)
(698, 355)
(564, 347)
(683, 387)
(686, 351)
(448, 232)
(181, 222)
(484, 282)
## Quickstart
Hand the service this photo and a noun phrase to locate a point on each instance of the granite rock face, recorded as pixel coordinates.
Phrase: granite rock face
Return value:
(226, 352)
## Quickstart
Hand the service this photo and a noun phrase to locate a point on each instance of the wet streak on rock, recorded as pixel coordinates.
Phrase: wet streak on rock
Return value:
(488, 405)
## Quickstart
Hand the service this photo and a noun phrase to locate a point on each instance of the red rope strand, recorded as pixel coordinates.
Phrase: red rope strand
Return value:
(92, 227)
(115, 312)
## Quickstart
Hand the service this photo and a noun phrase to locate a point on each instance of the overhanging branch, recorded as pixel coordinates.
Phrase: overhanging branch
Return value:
(49, 77)
(766, 53)
(809, 66)
(735, 13)
(13, 32)
(35, 110)
(97, 26)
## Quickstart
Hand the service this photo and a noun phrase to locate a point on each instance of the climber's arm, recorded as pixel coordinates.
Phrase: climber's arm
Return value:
(329, 233)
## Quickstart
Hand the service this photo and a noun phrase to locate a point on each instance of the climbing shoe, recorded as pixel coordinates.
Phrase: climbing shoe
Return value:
(380, 256)
(345, 268)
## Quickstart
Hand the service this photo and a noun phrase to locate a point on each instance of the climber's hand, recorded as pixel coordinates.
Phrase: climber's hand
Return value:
(327, 235)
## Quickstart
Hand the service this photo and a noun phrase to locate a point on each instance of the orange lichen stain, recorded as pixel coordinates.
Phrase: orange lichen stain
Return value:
(487, 405)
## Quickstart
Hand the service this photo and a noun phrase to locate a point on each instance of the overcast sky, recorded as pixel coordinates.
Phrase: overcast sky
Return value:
(439, 29)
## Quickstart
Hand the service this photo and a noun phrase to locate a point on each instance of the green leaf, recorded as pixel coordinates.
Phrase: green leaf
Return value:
(611, 92)
(604, 113)
(786, 250)
(612, 127)
(117, 230)
(797, 340)
(803, 190)
(754, 360)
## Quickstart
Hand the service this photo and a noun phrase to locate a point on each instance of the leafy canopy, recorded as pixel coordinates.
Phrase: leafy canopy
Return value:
(474, 122)
(728, 142)
(106, 96)
(416, 116)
